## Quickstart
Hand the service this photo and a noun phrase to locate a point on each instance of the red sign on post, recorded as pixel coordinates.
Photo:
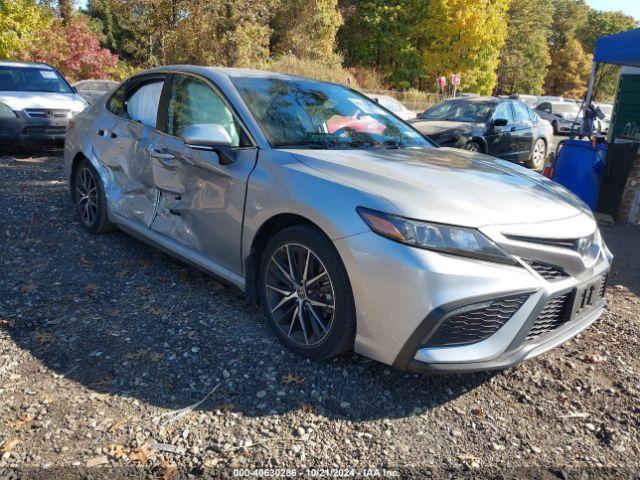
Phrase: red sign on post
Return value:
(442, 81)
(455, 80)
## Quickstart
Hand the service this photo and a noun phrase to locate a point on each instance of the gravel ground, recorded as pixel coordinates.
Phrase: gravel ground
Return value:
(104, 340)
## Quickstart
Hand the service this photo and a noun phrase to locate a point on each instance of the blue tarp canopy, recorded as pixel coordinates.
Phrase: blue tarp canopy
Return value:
(620, 49)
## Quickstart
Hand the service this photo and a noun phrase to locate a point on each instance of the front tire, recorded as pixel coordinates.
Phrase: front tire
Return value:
(306, 294)
(538, 155)
(90, 199)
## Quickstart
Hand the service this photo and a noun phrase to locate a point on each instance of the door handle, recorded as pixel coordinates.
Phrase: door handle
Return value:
(163, 156)
(101, 132)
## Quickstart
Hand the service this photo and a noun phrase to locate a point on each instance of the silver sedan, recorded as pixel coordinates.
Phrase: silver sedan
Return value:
(350, 228)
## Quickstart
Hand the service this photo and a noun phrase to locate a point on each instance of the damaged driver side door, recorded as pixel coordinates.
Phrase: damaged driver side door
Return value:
(202, 187)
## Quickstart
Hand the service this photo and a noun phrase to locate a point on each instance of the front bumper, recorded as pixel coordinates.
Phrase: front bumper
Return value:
(568, 127)
(402, 294)
(26, 131)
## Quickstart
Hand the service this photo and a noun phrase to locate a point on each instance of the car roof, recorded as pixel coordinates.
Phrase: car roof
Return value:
(11, 63)
(481, 99)
(227, 72)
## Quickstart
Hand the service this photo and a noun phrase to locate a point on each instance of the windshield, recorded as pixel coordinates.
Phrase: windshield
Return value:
(297, 113)
(459, 111)
(32, 79)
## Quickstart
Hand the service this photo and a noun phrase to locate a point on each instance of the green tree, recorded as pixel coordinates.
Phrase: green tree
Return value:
(465, 37)
(384, 35)
(20, 21)
(525, 57)
(600, 24)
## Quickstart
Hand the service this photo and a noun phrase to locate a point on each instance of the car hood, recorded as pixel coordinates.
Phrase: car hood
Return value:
(436, 128)
(22, 100)
(448, 185)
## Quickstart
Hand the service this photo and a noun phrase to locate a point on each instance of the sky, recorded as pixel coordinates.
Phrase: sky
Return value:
(630, 7)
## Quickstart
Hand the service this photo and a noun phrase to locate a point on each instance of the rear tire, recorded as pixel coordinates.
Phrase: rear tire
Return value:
(538, 155)
(306, 294)
(89, 199)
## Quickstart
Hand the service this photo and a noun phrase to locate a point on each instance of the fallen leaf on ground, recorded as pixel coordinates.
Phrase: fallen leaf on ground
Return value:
(167, 470)
(118, 424)
(227, 407)
(192, 335)
(85, 261)
(29, 287)
(91, 288)
(142, 454)
(94, 462)
(117, 451)
(21, 423)
(307, 408)
(7, 323)
(478, 410)
(105, 381)
(44, 337)
(292, 378)
(9, 445)
(156, 356)
(145, 290)
(156, 310)
(137, 355)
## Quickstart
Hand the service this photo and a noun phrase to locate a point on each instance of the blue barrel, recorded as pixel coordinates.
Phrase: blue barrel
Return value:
(579, 167)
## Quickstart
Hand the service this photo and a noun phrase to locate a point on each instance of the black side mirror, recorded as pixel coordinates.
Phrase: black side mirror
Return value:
(500, 122)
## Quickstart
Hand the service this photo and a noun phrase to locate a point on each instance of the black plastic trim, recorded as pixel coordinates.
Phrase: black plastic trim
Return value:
(433, 321)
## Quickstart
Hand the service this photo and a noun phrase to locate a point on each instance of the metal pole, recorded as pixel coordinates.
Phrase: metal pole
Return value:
(588, 97)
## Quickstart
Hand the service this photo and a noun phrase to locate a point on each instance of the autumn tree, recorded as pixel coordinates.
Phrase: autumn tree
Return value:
(306, 28)
(465, 37)
(569, 73)
(20, 22)
(73, 49)
(525, 57)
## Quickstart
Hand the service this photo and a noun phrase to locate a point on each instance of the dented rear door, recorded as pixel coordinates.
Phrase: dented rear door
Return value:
(121, 145)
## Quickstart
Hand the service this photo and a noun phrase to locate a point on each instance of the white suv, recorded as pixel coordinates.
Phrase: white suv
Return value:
(36, 103)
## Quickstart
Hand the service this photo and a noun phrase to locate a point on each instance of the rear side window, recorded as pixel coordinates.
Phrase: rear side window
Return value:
(115, 104)
(142, 105)
(522, 112)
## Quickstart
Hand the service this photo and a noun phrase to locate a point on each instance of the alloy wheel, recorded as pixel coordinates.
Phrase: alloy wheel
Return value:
(473, 147)
(87, 196)
(300, 294)
(539, 153)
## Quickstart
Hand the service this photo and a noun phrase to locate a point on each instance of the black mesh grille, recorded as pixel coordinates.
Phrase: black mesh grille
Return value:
(552, 316)
(476, 324)
(603, 287)
(546, 271)
(36, 131)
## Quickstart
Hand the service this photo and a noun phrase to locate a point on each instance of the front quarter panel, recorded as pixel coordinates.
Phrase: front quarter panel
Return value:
(280, 184)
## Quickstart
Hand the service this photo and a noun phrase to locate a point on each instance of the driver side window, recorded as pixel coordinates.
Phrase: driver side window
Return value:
(503, 110)
(194, 102)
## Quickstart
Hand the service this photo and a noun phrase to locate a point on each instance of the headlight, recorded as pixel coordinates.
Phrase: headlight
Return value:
(6, 112)
(467, 242)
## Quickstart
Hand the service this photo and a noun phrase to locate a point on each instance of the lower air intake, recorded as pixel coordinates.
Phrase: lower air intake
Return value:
(473, 324)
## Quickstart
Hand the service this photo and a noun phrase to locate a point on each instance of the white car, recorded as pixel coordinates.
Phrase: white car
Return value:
(36, 103)
(394, 106)
(565, 117)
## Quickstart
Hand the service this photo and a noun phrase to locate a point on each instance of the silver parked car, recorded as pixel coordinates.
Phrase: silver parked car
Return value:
(92, 90)
(349, 227)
